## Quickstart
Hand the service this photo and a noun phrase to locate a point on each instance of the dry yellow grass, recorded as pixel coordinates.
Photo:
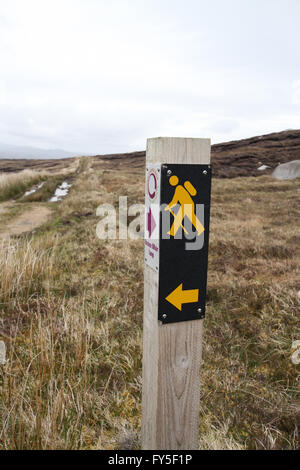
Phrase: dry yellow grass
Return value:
(22, 267)
(72, 322)
(13, 185)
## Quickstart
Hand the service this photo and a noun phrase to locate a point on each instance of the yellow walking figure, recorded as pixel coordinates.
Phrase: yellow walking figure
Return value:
(182, 196)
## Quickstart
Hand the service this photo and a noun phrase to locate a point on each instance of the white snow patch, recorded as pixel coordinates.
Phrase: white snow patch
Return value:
(263, 167)
(34, 190)
(61, 192)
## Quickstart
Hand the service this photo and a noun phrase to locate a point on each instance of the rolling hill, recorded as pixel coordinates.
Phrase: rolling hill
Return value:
(236, 158)
(229, 159)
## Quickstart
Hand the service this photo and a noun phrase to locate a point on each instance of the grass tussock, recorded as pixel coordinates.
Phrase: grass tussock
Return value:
(14, 185)
(70, 380)
(71, 318)
(23, 267)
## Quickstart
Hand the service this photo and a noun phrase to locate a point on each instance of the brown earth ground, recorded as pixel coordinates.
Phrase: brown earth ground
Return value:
(27, 221)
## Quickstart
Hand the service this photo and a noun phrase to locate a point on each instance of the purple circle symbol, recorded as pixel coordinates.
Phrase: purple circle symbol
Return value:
(152, 184)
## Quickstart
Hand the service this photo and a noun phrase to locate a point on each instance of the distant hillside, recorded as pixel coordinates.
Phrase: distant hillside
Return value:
(232, 159)
(229, 159)
(243, 157)
(17, 151)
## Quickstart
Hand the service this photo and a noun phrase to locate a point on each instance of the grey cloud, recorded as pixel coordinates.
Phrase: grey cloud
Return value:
(99, 77)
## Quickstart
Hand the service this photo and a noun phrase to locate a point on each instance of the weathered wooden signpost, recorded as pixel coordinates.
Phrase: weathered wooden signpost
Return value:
(178, 179)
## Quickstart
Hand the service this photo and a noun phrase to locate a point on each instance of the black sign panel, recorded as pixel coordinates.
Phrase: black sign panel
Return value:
(184, 234)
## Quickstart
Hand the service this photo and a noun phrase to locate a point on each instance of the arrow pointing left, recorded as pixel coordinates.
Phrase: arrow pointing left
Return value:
(180, 296)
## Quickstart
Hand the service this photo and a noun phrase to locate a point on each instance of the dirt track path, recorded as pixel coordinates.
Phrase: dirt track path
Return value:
(4, 206)
(26, 222)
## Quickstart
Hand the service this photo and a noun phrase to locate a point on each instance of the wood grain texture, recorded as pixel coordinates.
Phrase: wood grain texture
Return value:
(172, 352)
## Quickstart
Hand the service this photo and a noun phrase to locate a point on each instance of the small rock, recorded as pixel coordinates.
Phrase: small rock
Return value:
(295, 358)
(2, 353)
(287, 171)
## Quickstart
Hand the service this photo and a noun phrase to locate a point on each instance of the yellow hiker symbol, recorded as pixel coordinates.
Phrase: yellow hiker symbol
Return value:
(182, 196)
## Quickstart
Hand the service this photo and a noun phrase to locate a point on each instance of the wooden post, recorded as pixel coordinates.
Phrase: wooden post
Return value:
(171, 352)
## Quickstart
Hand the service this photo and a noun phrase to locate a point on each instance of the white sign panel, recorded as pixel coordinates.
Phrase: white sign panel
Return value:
(152, 214)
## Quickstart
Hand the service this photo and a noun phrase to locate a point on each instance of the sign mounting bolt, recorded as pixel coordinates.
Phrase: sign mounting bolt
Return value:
(204, 172)
(199, 310)
(169, 172)
(164, 316)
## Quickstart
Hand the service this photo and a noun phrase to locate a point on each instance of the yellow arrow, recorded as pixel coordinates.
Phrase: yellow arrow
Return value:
(179, 297)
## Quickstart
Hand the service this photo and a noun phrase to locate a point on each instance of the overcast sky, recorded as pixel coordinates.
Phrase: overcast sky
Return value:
(99, 76)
